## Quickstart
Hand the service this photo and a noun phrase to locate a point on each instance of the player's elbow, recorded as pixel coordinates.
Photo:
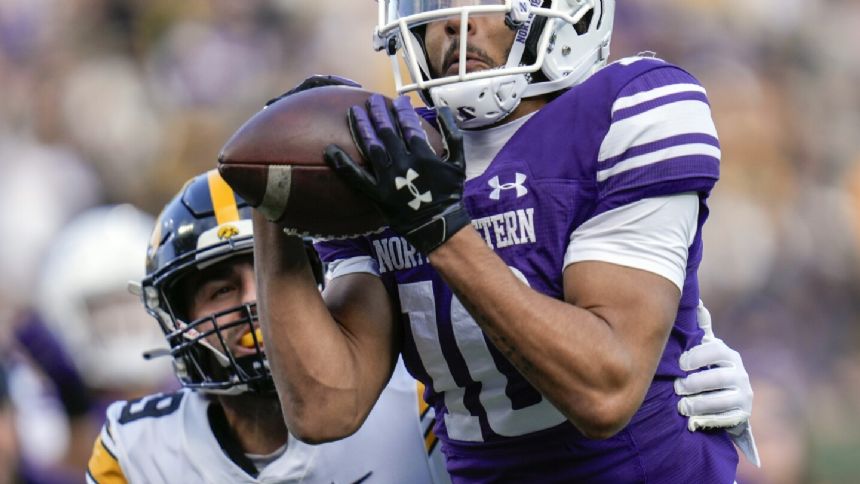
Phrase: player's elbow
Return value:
(605, 411)
(316, 430)
(317, 424)
(604, 422)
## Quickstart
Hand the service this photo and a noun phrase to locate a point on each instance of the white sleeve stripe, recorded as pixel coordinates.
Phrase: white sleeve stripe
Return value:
(653, 234)
(692, 149)
(353, 265)
(645, 96)
(666, 121)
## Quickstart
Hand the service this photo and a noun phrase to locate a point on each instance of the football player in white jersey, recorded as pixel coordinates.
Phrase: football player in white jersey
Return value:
(226, 425)
(540, 276)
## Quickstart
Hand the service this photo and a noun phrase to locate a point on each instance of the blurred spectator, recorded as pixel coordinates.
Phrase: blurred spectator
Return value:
(83, 347)
(9, 457)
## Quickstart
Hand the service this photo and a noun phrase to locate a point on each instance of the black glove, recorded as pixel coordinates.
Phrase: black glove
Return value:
(316, 81)
(419, 193)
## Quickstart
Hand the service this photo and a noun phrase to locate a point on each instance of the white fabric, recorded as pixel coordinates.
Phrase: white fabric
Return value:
(641, 97)
(718, 394)
(653, 235)
(482, 145)
(674, 119)
(354, 265)
(653, 157)
(180, 446)
(262, 461)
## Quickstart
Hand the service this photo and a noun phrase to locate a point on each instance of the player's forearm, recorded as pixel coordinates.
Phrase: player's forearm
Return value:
(572, 356)
(311, 359)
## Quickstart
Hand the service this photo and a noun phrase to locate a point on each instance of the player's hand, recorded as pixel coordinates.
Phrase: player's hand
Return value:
(317, 80)
(419, 192)
(720, 395)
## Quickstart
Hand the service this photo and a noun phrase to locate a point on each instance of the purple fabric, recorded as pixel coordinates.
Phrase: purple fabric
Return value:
(656, 448)
(540, 187)
(623, 114)
(664, 143)
(47, 351)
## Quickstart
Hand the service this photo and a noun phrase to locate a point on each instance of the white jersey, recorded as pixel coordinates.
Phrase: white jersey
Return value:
(167, 438)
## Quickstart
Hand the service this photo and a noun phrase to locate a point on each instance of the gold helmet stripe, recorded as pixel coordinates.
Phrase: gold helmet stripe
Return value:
(223, 200)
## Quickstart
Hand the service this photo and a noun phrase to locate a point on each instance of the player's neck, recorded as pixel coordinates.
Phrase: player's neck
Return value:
(256, 421)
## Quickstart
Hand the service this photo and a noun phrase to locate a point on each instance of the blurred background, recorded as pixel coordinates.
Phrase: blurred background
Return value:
(108, 105)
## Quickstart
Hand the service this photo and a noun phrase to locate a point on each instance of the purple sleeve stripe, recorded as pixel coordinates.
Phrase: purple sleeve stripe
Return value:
(683, 171)
(683, 139)
(657, 78)
(625, 113)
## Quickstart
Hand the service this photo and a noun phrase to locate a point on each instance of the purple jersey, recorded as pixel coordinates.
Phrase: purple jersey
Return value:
(606, 143)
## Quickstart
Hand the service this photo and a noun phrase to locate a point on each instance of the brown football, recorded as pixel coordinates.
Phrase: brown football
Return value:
(275, 162)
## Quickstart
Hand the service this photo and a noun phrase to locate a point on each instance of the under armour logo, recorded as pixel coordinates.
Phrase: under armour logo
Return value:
(497, 187)
(420, 198)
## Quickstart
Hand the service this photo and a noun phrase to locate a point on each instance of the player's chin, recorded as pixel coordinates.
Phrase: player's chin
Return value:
(471, 66)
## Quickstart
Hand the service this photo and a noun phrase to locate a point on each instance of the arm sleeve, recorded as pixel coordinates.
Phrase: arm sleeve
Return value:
(652, 235)
(103, 467)
(661, 141)
(344, 257)
(352, 265)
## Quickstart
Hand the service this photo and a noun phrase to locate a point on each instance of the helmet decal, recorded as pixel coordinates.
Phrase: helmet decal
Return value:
(227, 231)
(223, 199)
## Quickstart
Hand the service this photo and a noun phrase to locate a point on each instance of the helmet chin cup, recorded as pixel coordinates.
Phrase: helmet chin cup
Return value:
(481, 102)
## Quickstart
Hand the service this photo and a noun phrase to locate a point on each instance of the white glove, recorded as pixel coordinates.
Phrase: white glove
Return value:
(720, 395)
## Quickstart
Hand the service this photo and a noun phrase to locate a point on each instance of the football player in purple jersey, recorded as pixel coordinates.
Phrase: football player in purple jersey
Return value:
(539, 277)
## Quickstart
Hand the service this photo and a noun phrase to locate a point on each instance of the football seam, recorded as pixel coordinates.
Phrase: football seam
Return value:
(323, 238)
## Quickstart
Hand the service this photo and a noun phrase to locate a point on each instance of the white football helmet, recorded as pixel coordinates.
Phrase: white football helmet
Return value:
(559, 43)
(82, 296)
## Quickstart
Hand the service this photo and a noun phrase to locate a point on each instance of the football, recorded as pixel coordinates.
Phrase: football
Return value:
(275, 162)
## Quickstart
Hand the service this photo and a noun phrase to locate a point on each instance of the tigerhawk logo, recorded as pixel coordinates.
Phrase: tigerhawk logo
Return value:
(227, 231)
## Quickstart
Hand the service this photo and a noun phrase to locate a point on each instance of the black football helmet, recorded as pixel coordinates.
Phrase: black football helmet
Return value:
(205, 224)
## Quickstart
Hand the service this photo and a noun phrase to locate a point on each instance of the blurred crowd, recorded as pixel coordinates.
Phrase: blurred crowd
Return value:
(108, 106)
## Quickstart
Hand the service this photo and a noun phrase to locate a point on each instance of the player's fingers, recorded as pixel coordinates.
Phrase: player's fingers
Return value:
(703, 318)
(451, 135)
(714, 352)
(719, 421)
(385, 127)
(706, 380)
(410, 126)
(365, 138)
(356, 176)
(710, 403)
